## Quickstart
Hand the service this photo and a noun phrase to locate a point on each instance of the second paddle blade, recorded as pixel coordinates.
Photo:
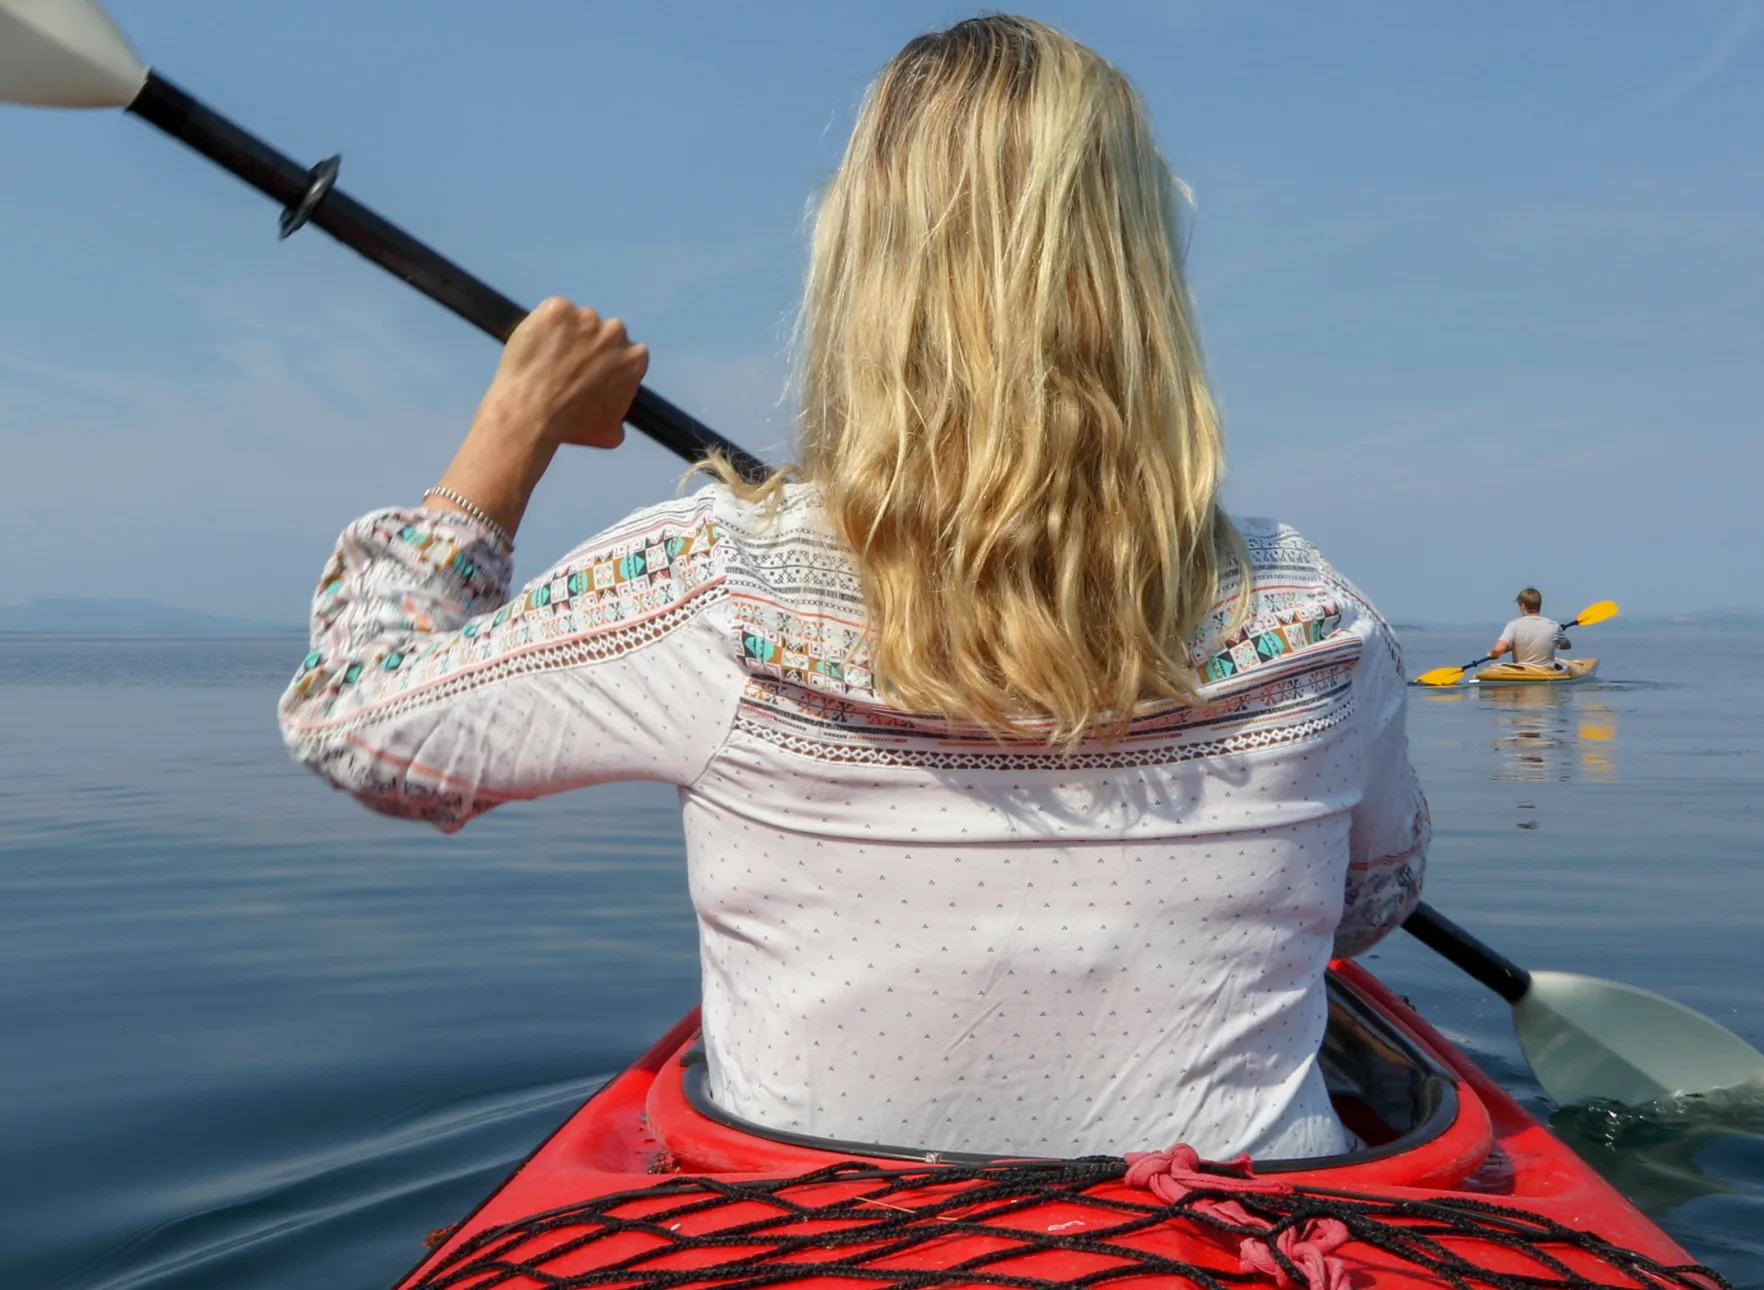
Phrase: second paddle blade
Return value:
(1587, 1038)
(65, 53)
(1441, 676)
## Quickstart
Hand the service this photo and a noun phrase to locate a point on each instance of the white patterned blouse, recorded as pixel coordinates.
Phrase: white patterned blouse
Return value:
(908, 936)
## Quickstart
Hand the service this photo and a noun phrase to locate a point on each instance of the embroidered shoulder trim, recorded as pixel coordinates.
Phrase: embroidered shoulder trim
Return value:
(798, 629)
(947, 758)
(1295, 700)
(1273, 632)
(798, 607)
(619, 592)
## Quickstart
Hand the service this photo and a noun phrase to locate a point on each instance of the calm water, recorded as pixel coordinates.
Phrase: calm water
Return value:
(251, 1036)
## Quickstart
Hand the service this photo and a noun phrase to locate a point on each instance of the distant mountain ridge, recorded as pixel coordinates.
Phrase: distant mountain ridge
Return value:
(86, 616)
(1720, 619)
(1729, 619)
(79, 616)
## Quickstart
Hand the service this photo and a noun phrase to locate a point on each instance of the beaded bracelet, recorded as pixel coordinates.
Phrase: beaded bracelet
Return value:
(471, 510)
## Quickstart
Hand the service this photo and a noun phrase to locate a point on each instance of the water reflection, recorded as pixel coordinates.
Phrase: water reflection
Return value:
(1441, 693)
(1595, 736)
(1544, 733)
(1531, 732)
(1657, 1154)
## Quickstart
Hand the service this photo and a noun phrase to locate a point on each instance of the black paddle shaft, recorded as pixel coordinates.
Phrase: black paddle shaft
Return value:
(309, 195)
(1494, 969)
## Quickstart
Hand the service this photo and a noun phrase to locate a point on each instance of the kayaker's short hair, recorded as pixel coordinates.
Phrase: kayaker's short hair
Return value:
(1530, 600)
(1002, 395)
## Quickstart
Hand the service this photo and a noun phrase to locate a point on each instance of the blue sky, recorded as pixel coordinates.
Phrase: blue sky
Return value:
(1482, 287)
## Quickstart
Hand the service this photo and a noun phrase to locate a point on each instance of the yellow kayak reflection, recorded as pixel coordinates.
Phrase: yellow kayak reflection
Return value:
(1596, 738)
(1546, 733)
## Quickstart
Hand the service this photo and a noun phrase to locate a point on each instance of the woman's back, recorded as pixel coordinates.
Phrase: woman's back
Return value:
(1025, 794)
(915, 935)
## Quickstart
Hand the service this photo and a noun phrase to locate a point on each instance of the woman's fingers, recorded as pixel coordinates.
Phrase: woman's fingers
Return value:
(574, 370)
(596, 418)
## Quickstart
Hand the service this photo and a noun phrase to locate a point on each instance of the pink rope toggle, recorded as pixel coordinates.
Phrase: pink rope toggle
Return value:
(1173, 1174)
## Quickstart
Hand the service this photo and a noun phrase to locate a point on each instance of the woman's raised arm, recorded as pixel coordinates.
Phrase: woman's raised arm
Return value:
(429, 692)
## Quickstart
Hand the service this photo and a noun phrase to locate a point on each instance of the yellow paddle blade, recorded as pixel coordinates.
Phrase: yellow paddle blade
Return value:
(1441, 676)
(1597, 613)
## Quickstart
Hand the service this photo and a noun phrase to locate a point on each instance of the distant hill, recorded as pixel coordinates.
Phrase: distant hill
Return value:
(1742, 620)
(1732, 619)
(85, 617)
(74, 616)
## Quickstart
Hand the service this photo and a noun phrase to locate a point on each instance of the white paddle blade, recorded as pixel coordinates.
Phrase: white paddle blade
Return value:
(65, 53)
(1586, 1038)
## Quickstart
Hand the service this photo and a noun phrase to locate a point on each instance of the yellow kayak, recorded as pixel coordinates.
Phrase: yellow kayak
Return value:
(1570, 671)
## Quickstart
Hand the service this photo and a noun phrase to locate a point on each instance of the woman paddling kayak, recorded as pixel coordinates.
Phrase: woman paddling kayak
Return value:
(1026, 794)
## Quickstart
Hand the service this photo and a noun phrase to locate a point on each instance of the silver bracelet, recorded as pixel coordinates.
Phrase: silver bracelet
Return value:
(472, 511)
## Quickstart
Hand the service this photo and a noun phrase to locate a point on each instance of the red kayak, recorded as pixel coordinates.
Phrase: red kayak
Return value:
(650, 1185)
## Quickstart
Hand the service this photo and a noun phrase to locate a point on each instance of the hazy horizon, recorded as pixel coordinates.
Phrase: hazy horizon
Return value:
(80, 615)
(1479, 288)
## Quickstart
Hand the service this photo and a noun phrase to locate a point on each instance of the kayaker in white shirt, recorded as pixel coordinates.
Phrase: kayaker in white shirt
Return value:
(1531, 638)
(1027, 795)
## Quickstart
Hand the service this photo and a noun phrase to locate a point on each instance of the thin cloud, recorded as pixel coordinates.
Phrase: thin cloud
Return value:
(1703, 228)
(1732, 38)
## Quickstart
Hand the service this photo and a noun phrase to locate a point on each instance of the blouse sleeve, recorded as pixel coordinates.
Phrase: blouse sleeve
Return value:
(1391, 829)
(428, 693)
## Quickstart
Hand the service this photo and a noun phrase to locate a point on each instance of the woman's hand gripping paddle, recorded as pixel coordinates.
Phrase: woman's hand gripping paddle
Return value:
(1587, 1038)
(1594, 613)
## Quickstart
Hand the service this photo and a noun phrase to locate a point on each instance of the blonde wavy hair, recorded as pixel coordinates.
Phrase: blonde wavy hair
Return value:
(1002, 395)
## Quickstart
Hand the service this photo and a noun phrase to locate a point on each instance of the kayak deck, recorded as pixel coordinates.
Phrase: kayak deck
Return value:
(1572, 670)
(648, 1148)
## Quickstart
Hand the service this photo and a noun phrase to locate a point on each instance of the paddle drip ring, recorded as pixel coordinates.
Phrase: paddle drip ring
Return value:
(320, 180)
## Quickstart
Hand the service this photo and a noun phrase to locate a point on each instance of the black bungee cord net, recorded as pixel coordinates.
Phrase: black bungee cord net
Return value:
(877, 1215)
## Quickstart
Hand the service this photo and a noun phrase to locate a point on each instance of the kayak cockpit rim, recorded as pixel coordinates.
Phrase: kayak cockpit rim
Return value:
(1364, 1058)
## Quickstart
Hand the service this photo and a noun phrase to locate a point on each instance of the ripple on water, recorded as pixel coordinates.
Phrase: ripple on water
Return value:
(338, 1212)
(1696, 1164)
